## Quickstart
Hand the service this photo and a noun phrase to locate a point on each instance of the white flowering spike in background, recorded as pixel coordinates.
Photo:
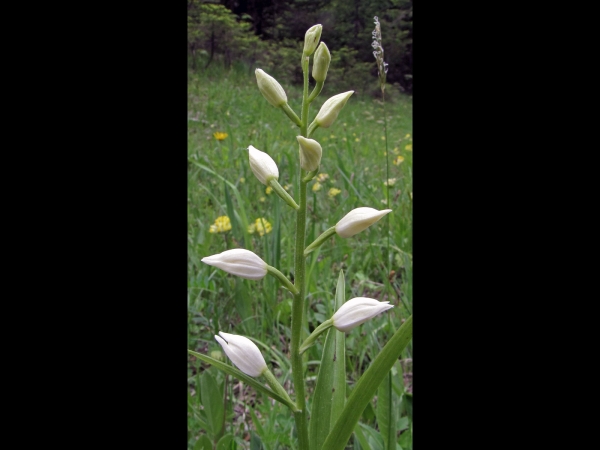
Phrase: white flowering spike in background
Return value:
(262, 165)
(244, 353)
(358, 220)
(270, 88)
(240, 262)
(357, 311)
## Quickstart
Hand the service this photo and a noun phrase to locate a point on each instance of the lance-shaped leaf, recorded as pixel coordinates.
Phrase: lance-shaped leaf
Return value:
(367, 386)
(330, 391)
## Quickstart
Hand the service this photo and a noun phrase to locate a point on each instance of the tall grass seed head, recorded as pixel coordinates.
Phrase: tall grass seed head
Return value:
(357, 311)
(331, 108)
(244, 353)
(310, 153)
(270, 88)
(321, 62)
(358, 220)
(311, 39)
(240, 262)
(262, 165)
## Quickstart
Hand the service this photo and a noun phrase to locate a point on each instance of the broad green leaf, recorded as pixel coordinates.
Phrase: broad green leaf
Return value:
(331, 383)
(385, 412)
(373, 437)
(407, 399)
(226, 443)
(203, 443)
(212, 401)
(367, 386)
(405, 439)
(241, 376)
(255, 442)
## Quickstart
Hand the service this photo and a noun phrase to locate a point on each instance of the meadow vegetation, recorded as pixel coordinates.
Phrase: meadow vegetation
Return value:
(228, 208)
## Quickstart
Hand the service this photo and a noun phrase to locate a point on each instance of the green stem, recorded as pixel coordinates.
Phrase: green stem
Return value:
(316, 91)
(278, 388)
(299, 271)
(291, 114)
(279, 190)
(310, 341)
(284, 280)
(319, 241)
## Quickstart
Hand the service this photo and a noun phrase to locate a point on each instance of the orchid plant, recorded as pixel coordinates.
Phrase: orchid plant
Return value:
(333, 417)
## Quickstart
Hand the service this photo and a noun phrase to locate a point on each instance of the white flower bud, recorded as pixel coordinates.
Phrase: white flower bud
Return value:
(240, 262)
(270, 88)
(321, 62)
(357, 311)
(262, 165)
(311, 39)
(310, 153)
(331, 108)
(244, 353)
(357, 220)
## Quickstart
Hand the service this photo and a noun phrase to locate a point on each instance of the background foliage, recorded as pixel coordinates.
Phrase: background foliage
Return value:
(268, 34)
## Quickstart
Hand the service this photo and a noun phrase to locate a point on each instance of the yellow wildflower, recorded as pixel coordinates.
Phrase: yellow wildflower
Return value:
(260, 225)
(221, 225)
(383, 138)
(408, 148)
(316, 187)
(268, 190)
(219, 136)
(242, 180)
(390, 182)
(357, 139)
(332, 136)
(344, 139)
(322, 177)
(262, 199)
(333, 192)
(407, 136)
(399, 160)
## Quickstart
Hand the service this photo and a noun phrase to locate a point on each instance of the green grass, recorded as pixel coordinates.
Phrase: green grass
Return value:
(220, 182)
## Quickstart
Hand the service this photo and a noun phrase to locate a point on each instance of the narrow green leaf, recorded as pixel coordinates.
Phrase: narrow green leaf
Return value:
(257, 424)
(212, 401)
(339, 360)
(320, 417)
(242, 376)
(203, 443)
(386, 413)
(367, 386)
(330, 391)
(237, 195)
